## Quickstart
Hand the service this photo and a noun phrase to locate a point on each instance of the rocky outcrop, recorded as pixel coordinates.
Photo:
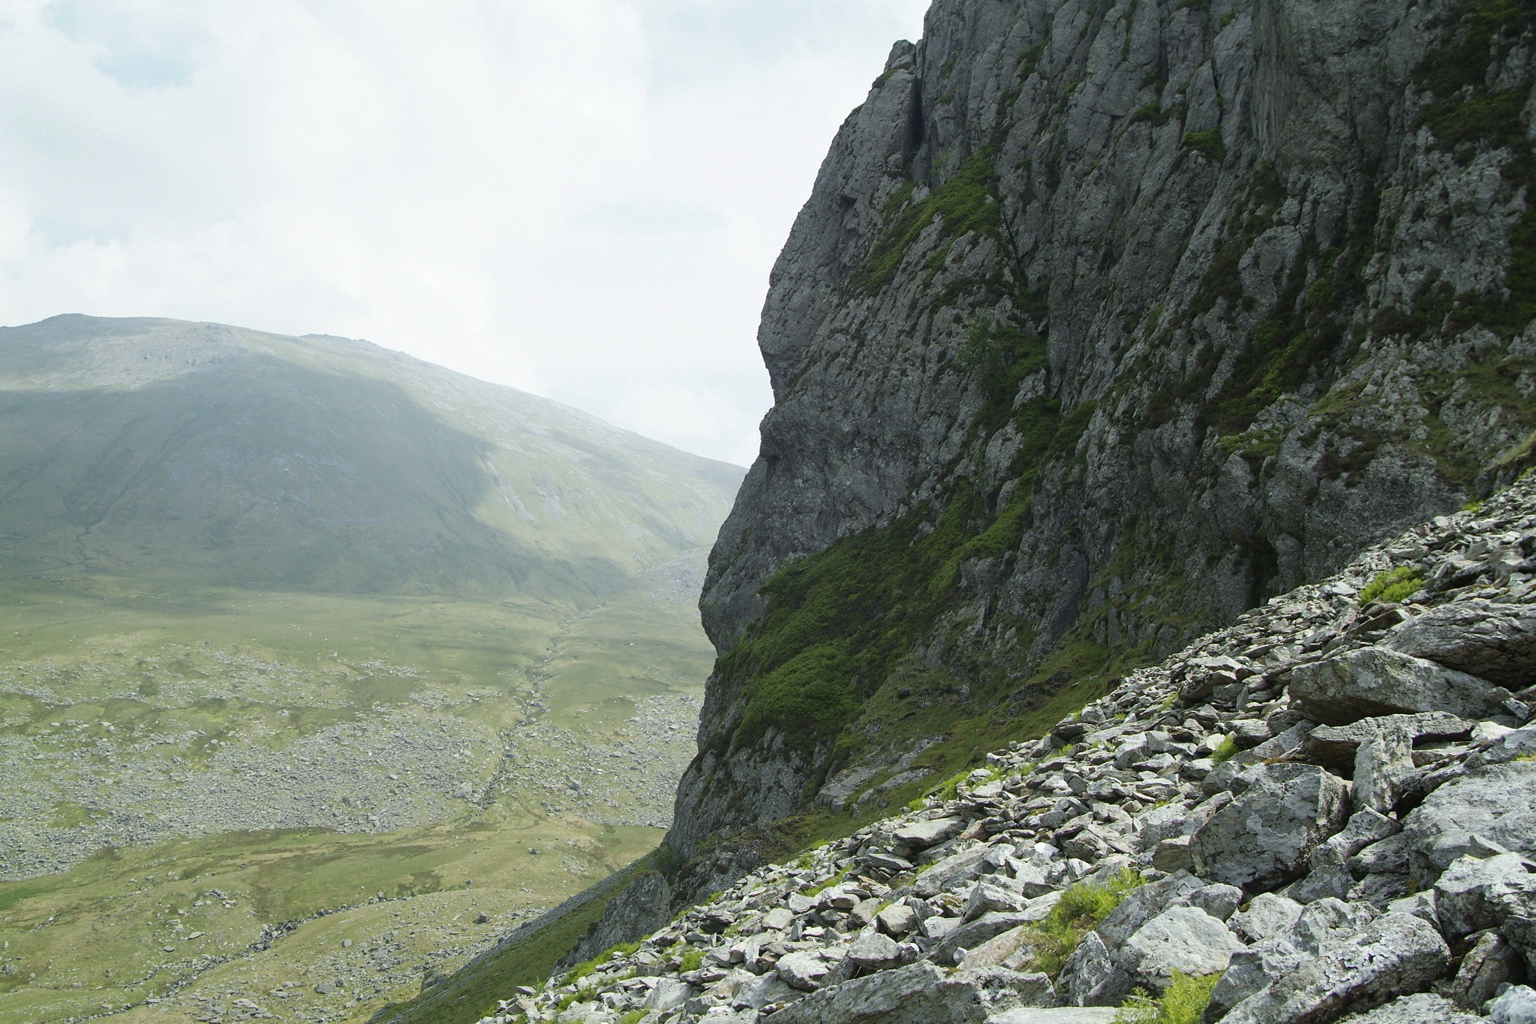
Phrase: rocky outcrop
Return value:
(1104, 322)
(1140, 842)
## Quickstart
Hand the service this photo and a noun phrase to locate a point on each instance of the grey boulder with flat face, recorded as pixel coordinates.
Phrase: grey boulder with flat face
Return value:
(1494, 641)
(1494, 804)
(1374, 681)
(1263, 838)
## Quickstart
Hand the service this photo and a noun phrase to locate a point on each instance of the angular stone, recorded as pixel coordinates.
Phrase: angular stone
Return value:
(1486, 966)
(1143, 904)
(995, 950)
(973, 933)
(1516, 1006)
(950, 872)
(1476, 893)
(1267, 915)
(1173, 855)
(1373, 681)
(922, 834)
(778, 919)
(1423, 1008)
(1395, 954)
(1089, 976)
(919, 993)
(802, 970)
(871, 949)
(1466, 813)
(1483, 638)
(669, 993)
(1363, 828)
(897, 919)
(1219, 900)
(987, 897)
(1184, 939)
(1056, 1015)
(1264, 837)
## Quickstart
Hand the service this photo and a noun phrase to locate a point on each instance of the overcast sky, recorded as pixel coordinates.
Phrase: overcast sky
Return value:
(580, 198)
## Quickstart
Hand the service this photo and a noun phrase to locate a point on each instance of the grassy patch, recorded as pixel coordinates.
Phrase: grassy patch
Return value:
(966, 202)
(1226, 751)
(1081, 909)
(1207, 143)
(1395, 585)
(1183, 1002)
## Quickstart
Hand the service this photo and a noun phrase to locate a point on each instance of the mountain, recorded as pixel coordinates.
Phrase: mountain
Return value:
(1312, 815)
(1104, 322)
(168, 449)
(318, 658)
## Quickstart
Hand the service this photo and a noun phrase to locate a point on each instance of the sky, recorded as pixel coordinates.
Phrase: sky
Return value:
(579, 198)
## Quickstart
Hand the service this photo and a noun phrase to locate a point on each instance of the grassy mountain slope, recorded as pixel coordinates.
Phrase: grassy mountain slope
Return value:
(305, 622)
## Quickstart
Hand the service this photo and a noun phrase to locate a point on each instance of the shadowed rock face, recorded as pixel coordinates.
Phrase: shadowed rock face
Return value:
(1167, 307)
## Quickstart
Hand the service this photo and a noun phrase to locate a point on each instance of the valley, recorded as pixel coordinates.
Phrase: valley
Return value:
(293, 750)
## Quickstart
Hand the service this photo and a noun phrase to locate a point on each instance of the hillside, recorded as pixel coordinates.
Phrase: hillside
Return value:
(1104, 322)
(323, 628)
(1316, 814)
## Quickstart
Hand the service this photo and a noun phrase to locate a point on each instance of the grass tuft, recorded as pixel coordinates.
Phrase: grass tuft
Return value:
(1396, 585)
(1082, 908)
(1225, 752)
(1183, 1002)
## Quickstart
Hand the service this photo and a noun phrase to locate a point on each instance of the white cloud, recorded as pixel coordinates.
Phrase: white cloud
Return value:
(581, 198)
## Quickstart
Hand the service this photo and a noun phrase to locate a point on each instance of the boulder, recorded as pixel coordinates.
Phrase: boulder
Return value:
(1492, 640)
(1089, 976)
(1516, 1006)
(1184, 939)
(950, 872)
(1267, 915)
(1476, 893)
(669, 993)
(1374, 681)
(802, 970)
(871, 949)
(996, 950)
(1393, 955)
(897, 919)
(973, 933)
(1423, 1008)
(1264, 837)
(1055, 1015)
(1486, 967)
(922, 834)
(1334, 746)
(919, 993)
(1467, 813)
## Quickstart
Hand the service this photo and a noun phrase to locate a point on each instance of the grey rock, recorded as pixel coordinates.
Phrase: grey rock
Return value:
(803, 970)
(950, 872)
(1394, 955)
(1476, 893)
(777, 919)
(1144, 903)
(768, 988)
(1466, 813)
(1422, 1008)
(1184, 939)
(1483, 638)
(1266, 915)
(1173, 854)
(920, 993)
(1054, 1015)
(1364, 828)
(973, 933)
(996, 950)
(1089, 976)
(1517, 1005)
(1219, 900)
(987, 898)
(1487, 967)
(872, 949)
(923, 834)
(1512, 744)
(1264, 837)
(1374, 681)
(898, 919)
(669, 994)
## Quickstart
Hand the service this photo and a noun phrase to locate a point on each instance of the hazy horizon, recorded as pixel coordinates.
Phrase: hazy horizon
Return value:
(579, 199)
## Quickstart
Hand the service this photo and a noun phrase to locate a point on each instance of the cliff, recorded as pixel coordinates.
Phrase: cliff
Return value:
(1105, 322)
(1320, 813)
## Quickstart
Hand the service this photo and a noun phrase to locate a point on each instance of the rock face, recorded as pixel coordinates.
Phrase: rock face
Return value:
(1104, 322)
(955, 910)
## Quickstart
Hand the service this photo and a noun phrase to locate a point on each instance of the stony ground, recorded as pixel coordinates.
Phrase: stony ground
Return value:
(1326, 811)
